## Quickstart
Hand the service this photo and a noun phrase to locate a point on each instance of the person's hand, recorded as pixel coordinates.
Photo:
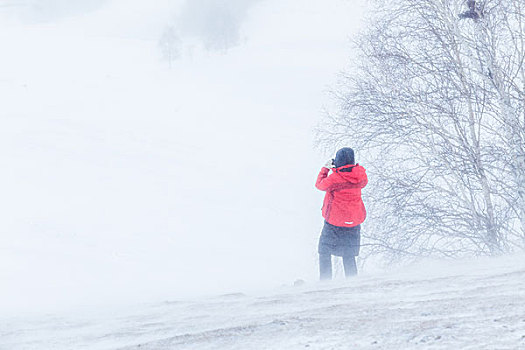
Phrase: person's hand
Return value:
(329, 164)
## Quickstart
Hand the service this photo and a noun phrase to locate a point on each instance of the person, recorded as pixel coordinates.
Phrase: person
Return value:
(343, 211)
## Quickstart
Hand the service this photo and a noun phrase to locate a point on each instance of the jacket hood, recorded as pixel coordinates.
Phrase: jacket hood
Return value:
(352, 173)
(344, 156)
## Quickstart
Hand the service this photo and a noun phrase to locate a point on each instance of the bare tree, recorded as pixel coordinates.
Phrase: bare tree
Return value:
(499, 35)
(431, 103)
(170, 44)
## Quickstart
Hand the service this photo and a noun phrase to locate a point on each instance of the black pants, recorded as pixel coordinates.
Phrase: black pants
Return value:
(325, 266)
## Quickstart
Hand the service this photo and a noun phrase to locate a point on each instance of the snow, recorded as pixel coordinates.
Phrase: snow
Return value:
(161, 208)
(476, 304)
(123, 175)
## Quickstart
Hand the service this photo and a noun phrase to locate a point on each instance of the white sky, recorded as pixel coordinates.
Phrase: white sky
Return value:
(125, 180)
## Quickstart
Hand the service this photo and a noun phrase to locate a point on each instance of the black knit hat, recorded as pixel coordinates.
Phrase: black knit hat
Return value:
(344, 157)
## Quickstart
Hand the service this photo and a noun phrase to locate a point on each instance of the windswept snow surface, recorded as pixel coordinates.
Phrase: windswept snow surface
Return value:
(454, 305)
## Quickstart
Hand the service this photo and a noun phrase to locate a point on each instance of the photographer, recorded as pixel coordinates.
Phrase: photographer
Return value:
(343, 211)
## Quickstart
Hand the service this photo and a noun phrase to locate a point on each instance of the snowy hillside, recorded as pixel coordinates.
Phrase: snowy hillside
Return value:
(455, 305)
(125, 175)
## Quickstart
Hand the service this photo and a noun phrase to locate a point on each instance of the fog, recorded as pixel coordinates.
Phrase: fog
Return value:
(216, 23)
(48, 10)
(125, 180)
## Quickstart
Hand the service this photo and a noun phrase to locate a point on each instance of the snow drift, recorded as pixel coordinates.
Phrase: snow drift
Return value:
(455, 305)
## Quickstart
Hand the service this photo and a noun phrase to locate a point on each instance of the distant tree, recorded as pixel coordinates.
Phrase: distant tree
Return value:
(215, 23)
(222, 29)
(170, 45)
(436, 102)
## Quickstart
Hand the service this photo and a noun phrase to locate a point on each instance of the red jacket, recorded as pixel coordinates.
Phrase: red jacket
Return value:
(343, 205)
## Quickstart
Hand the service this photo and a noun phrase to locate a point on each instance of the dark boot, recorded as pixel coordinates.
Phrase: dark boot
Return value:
(325, 266)
(350, 265)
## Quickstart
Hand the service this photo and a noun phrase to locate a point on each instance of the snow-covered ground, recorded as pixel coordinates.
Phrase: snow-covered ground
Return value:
(476, 304)
(121, 174)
